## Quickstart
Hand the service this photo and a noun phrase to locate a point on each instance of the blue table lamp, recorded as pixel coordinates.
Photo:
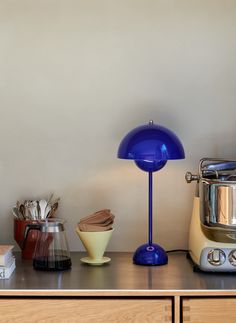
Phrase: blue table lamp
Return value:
(150, 146)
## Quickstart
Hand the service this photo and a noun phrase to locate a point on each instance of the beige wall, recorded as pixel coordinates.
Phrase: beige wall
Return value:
(76, 76)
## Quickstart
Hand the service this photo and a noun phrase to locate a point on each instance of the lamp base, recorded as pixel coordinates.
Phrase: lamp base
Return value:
(150, 255)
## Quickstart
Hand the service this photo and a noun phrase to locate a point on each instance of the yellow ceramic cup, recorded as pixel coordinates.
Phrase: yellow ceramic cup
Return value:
(95, 243)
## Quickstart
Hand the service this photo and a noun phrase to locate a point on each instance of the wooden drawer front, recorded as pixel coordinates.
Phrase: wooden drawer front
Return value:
(209, 310)
(85, 310)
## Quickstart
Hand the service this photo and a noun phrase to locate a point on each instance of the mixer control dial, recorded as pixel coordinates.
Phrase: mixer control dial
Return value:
(217, 257)
(189, 177)
(232, 257)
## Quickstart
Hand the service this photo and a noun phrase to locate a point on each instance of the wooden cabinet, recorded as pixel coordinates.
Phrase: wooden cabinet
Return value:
(120, 292)
(174, 309)
(209, 310)
(85, 310)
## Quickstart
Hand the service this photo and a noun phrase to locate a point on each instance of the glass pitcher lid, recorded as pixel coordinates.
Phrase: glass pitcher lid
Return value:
(52, 225)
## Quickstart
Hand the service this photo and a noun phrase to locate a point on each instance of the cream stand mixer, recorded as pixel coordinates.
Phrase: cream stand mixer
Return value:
(212, 235)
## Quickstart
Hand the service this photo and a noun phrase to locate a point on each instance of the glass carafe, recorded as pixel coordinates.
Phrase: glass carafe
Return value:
(51, 249)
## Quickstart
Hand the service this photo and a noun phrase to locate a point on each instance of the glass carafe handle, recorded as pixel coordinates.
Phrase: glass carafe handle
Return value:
(29, 227)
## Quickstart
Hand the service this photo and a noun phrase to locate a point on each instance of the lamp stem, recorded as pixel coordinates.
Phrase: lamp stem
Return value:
(150, 208)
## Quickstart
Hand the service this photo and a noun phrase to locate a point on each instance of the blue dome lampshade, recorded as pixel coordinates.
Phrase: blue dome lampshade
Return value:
(150, 146)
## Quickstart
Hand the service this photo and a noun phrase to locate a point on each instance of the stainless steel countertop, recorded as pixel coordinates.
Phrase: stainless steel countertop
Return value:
(119, 275)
